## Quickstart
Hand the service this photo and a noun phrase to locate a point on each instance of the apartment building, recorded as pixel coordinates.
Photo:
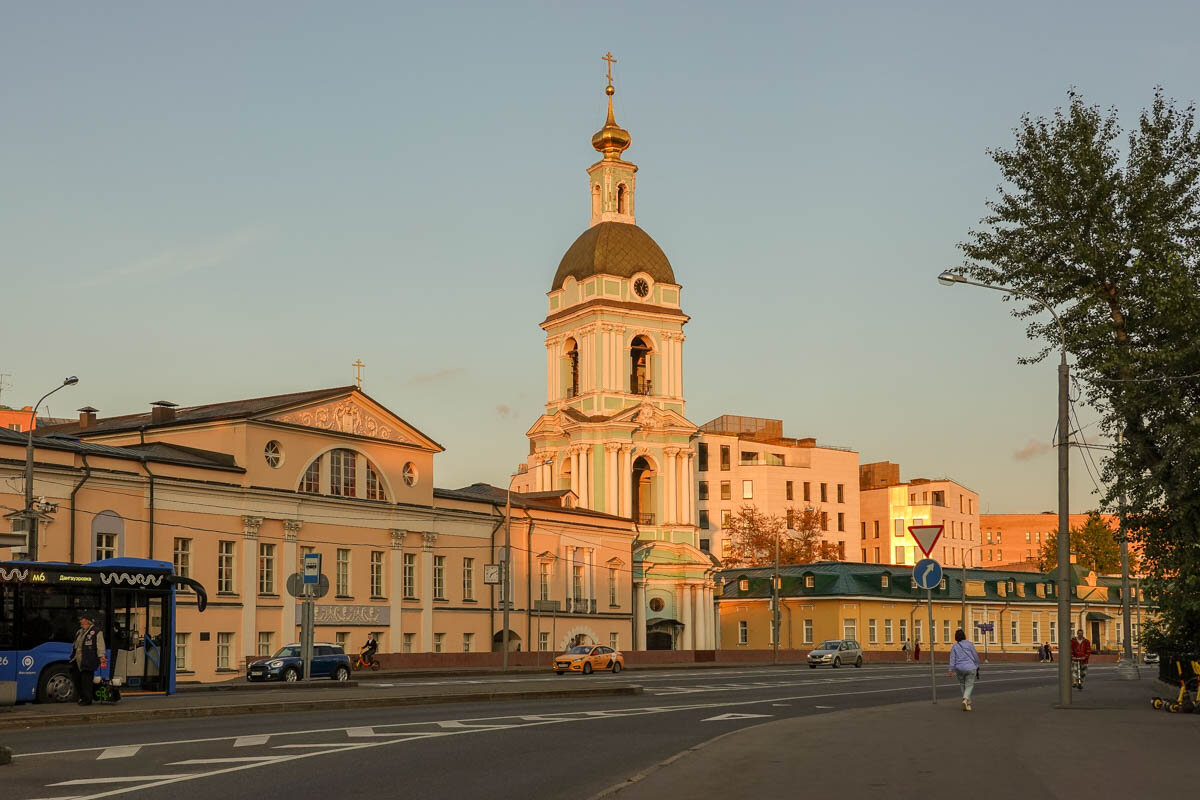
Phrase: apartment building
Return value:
(890, 506)
(1018, 538)
(748, 461)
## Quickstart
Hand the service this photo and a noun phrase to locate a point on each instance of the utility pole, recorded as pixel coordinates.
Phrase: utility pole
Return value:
(775, 603)
(1128, 668)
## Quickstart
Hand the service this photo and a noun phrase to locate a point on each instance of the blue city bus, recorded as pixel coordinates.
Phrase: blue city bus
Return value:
(133, 600)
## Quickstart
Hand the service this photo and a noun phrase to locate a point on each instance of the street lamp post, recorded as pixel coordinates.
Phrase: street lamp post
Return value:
(948, 278)
(506, 569)
(964, 583)
(31, 517)
(1128, 668)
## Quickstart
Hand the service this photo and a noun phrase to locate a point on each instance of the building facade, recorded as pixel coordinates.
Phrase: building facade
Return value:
(1018, 538)
(889, 506)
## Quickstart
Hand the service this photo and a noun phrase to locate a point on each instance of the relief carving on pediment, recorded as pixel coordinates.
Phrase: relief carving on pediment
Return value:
(346, 417)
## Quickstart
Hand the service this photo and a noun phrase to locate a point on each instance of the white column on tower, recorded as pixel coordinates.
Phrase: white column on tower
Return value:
(699, 615)
(639, 614)
(626, 479)
(669, 512)
(585, 475)
(573, 454)
(685, 612)
(612, 454)
(689, 493)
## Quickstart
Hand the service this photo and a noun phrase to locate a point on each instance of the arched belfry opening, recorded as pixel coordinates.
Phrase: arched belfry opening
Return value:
(597, 208)
(643, 491)
(622, 199)
(639, 363)
(571, 353)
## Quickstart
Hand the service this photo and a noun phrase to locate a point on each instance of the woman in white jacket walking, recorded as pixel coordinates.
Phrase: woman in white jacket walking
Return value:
(964, 664)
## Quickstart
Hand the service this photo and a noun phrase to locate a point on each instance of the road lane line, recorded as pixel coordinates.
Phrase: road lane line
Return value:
(121, 751)
(124, 779)
(250, 741)
(243, 759)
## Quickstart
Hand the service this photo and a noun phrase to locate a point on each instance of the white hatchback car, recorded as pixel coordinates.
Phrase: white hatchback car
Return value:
(835, 653)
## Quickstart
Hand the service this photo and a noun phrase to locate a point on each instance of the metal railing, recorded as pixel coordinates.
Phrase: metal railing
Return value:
(582, 605)
(637, 386)
(645, 519)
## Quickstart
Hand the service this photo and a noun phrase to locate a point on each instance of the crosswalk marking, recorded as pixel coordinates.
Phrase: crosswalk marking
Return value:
(121, 751)
(251, 741)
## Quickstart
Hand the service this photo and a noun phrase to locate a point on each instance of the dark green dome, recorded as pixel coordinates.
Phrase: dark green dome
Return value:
(614, 248)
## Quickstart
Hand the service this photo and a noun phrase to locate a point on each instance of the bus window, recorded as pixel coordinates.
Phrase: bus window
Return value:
(8, 636)
(49, 614)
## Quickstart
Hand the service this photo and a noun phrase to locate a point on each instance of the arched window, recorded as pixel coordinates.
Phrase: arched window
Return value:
(639, 361)
(349, 474)
(108, 536)
(310, 481)
(596, 209)
(572, 353)
(621, 204)
(643, 491)
(343, 472)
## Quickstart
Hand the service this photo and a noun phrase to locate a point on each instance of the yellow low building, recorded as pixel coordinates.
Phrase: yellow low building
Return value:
(880, 607)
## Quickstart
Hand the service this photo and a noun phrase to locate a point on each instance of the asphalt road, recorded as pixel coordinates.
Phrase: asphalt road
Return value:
(501, 750)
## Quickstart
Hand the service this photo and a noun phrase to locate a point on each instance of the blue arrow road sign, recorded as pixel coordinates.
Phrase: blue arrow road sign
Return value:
(927, 573)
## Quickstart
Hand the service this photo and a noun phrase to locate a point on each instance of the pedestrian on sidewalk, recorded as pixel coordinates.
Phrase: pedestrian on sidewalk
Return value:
(88, 654)
(964, 665)
(904, 647)
(917, 650)
(1081, 651)
(1049, 653)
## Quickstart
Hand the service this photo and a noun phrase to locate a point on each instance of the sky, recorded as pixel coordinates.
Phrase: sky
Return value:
(213, 201)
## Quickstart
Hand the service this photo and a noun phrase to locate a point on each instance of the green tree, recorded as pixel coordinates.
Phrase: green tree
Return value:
(1093, 543)
(753, 535)
(1108, 233)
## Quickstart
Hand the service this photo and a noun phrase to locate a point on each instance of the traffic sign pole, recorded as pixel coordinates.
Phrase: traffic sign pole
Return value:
(932, 668)
(926, 574)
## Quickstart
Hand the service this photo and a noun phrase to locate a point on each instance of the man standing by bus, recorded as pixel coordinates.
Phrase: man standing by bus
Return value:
(88, 654)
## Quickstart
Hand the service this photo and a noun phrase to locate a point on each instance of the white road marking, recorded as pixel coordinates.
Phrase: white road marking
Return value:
(725, 717)
(250, 741)
(823, 706)
(242, 760)
(453, 723)
(121, 751)
(125, 779)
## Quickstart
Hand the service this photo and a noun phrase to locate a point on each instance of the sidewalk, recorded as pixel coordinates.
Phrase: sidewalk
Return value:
(1014, 745)
(282, 698)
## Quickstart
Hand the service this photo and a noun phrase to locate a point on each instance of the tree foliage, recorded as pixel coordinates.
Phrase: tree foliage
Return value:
(1108, 233)
(1094, 544)
(753, 535)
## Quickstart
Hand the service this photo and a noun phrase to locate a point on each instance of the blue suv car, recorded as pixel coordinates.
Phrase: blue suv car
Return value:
(329, 661)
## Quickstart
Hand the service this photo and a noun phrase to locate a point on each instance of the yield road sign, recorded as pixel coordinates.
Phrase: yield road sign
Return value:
(926, 536)
(927, 573)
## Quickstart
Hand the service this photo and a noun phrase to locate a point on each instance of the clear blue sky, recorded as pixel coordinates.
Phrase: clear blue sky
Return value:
(210, 201)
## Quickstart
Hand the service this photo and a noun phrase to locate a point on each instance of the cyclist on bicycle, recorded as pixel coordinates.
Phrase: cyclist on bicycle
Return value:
(1081, 651)
(367, 655)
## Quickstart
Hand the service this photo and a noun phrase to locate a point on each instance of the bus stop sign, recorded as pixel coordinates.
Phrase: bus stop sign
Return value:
(312, 568)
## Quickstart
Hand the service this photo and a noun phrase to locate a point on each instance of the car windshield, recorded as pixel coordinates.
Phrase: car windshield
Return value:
(579, 651)
(832, 644)
(288, 652)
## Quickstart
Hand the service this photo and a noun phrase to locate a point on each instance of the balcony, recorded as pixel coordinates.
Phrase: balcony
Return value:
(582, 606)
(639, 385)
(645, 519)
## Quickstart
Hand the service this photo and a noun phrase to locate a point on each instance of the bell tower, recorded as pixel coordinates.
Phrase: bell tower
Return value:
(612, 181)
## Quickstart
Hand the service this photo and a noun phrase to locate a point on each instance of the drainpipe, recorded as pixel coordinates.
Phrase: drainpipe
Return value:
(492, 588)
(529, 645)
(1000, 635)
(151, 476)
(783, 604)
(87, 473)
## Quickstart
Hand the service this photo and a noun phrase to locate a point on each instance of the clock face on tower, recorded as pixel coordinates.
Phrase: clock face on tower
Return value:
(641, 288)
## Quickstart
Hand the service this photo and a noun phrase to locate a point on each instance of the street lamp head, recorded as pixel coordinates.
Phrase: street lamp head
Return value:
(71, 381)
(948, 278)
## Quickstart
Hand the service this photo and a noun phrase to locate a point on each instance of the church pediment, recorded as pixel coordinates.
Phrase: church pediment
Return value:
(356, 415)
(648, 417)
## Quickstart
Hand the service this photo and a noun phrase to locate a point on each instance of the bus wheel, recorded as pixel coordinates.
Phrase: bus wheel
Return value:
(56, 685)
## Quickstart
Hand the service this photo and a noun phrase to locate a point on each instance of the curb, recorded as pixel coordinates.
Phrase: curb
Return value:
(283, 707)
(201, 688)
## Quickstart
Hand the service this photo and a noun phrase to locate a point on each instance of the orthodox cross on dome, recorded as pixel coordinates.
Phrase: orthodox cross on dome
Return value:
(358, 368)
(609, 58)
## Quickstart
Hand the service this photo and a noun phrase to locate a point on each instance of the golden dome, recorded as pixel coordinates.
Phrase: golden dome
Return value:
(612, 139)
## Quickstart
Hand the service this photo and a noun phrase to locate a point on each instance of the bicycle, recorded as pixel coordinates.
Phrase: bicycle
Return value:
(362, 663)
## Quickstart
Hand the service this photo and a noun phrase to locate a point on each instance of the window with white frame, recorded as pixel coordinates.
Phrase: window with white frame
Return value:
(439, 577)
(468, 642)
(543, 641)
(612, 587)
(311, 481)
(747, 490)
(872, 631)
(374, 485)
(438, 638)
(577, 582)
(808, 631)
(809, 581)
(903, 630)
(342, 640)
(468, 578)
(342, 472)
(264, 643)
(376, 573)
(343, 572)
(544, 580)
(850, 628)
(916, 630)
(614, 641)
(266, 568)
(1014, 629)
(408, 642)
(743, 631)
(887, 632)
(946, 631)
(1037, 630)
(408, 575)
(225, 561)
(224, 645)
(182, 654)
(182, 557)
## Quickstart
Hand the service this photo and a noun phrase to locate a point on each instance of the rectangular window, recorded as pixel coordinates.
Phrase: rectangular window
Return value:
(225, 557)
(343, 573)
(264, 644)
(702, 457)
(266, 568)
(876, 561)
(788, 490)
(808, 631)
(850, 628)
(183, 558)
(408, 575)
(899, 555)
(614, 641)
(824, 520)
(544, 581)
(743, 632)
(863, 527)
(841, 521)
(224, 645)
(1014, 630)
(342, 466)
(789, 518)
(468, 579)
(439, 577)
(544, 636)
(726, 517)
(726, 491)
(946, 631)
(577, 582)
(181, 652)
(916, 630)
(342, 640)
(841, 492)
(702, 490)
(1037, 631)
(824, 493)
(887, 632)
(872, 635)
(612, 587)
(703, 519)
(311, 482)
(903, 630)
(725, 457)
(747, 490)
(438, 639)
(876, 524)
(106, 546)
(468, 640)
(807, 491)
(992, 635)
(374, 486)
(975, 635)
(408, 642)
(376, 573)
(749, 457)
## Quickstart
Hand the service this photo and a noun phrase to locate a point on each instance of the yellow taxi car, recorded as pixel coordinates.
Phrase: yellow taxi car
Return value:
(587, 658)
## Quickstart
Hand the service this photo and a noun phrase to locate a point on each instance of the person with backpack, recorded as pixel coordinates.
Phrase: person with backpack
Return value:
(964, 665)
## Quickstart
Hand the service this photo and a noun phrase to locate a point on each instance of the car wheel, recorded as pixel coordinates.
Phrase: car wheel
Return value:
(587, 668)
(812, 666)
(56, 685)
(837, 662)
(341, 674)
(291, 675)
(558, 672)
(616, 667)
(858, 662)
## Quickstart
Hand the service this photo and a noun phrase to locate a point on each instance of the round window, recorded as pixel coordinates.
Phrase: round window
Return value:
(641, 288)
(273, 453)
(410, 474)
(656, 604)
